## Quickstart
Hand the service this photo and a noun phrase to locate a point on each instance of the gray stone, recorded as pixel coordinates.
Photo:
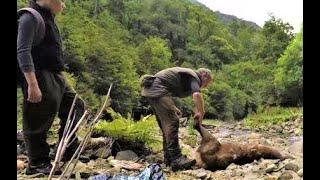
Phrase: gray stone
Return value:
(202, 175)
(232, 166)
(254, 136)
(80, 167)
(291, 131)
(127, 155)
(278, 128)
(183, 121)
(270, 178)
(270, 168)
(96, 143)
(285, 176)
(280, 141)
(297, 131)
(91, 163)
(292, 167)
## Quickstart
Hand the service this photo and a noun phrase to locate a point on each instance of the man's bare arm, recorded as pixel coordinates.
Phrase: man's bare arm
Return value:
(34, 92)
(31, 78)
(199, 107)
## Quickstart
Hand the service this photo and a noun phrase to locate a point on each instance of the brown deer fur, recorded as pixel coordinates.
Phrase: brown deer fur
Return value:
(213, 155)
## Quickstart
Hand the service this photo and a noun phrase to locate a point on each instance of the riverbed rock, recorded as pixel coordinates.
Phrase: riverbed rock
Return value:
(202, 175)
(278, 128)
(292, 167)
(254, 136)
(127, 155)
(80, 167)
(298, 131)
(296, 148)
(271, 178)
(237, 127)
(96, 143)
(279, 140)
(91, 164)
(285, 176)
(300, 172)
(198, 173)
(128, 165)
(291, 131)
(270, 168)
(232, 166)
(183, 121)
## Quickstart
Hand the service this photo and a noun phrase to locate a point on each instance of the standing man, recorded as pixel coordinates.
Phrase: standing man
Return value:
(159, 90)
(45, 90)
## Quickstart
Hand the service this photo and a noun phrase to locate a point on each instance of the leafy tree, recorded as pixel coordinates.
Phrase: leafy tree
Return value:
(98, 57)
(222, 49)
(254, 79)
(288, 75)
(154, 55)
(278, 35)
(116, 41)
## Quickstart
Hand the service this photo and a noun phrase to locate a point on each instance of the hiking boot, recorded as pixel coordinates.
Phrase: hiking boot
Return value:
(182, 163)
(43, 168)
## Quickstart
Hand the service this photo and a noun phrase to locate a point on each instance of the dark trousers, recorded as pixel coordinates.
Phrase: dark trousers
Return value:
(57, 97)
(168, 121)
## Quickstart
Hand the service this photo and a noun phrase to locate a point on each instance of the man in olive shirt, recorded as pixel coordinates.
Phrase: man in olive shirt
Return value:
(159, 90)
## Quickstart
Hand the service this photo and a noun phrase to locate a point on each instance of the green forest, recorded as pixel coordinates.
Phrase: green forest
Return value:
(117, 41)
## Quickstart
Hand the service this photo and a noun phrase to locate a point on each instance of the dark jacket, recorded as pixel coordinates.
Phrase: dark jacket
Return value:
(47, 55)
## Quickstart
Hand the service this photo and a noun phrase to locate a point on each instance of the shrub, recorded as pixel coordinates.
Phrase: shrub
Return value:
(144, 130)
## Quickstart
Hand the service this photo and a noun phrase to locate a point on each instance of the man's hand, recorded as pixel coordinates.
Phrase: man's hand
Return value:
(199, 108)
(178, 112)
(34, 92)
(198, 118)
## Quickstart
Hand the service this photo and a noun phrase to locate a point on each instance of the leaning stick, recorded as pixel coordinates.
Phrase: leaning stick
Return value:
(61, 141)
(69, 115)
(86, 138)
(90, 131)
(72, 158)
(69, 135)
(67, 126)
(63, 144)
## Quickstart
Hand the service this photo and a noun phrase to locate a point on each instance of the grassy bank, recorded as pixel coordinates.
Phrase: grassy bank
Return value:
(272, 116)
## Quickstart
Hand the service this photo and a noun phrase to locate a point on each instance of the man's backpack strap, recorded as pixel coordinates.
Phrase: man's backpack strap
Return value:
(41, 28)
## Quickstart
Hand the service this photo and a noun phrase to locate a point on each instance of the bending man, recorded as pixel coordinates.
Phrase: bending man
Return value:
(159, 90)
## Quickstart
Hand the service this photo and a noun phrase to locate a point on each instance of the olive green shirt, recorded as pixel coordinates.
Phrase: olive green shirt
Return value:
(176, 82)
